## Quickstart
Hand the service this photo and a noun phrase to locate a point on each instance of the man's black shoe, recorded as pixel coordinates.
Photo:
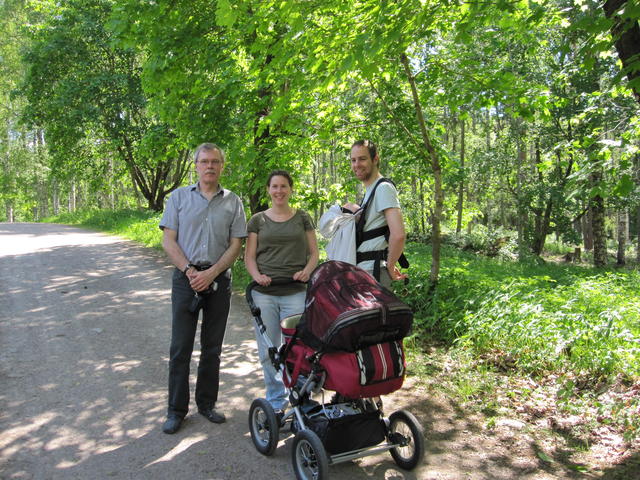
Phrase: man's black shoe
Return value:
(172, 424)
(211, 415)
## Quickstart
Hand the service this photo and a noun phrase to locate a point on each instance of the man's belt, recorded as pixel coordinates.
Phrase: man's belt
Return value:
(206, 266)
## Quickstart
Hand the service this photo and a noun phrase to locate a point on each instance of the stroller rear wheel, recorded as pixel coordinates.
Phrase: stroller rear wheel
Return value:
(405, 430)
(263, 425)
(310, 461)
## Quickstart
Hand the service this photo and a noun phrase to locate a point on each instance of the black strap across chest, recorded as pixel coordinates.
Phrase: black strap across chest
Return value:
(362, 236)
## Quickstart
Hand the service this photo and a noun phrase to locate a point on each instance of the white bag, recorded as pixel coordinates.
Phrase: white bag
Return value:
(340, 229)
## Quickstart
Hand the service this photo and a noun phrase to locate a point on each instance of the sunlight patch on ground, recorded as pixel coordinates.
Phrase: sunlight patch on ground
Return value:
(184, 444)
(150, 293)
(37, 309)
(126, 366)
(241, 368)
(13, 439)
(47, 387)
(21, 244)
(68, 437)
(65, 281)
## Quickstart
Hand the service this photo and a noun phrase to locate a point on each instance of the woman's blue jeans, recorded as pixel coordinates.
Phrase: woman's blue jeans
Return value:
(273, 309)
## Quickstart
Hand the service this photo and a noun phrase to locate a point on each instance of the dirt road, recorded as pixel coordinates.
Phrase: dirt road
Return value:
(84, 336)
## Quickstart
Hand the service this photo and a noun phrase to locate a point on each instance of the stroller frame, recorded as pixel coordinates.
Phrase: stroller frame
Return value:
(403, 435)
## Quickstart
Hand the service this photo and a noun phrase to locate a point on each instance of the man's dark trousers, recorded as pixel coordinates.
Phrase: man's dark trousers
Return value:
(183, 331)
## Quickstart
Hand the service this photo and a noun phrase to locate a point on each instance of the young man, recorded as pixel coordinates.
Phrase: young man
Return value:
(203, 229)
(383, 210)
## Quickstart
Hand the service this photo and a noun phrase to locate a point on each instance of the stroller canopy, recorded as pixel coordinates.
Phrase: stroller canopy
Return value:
(347, 310)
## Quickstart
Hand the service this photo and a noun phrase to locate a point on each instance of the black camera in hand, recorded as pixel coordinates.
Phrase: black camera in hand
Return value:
(198, 298)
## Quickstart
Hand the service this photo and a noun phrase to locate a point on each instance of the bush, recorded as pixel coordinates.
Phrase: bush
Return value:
(464, 278)
(589, 325)
(543, 316)
(494, 242)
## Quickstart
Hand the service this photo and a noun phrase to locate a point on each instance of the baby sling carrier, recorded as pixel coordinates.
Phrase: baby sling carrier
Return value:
(361, 236)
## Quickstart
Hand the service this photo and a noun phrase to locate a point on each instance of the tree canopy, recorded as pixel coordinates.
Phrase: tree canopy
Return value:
(519, 116)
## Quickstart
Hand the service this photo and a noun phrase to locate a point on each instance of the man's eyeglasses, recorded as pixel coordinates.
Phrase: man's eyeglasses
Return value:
(210, 162)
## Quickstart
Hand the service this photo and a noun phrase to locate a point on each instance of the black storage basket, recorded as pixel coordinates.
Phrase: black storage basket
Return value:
(349, 432)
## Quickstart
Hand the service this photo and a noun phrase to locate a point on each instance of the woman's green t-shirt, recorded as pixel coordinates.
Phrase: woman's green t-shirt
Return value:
(282, 249)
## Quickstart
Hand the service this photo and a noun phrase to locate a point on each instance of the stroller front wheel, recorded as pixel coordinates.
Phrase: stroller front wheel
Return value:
(405, 430)
(263, 425)
(310, 461)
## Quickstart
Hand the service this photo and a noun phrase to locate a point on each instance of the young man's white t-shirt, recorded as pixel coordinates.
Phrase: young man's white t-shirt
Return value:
(386, 196)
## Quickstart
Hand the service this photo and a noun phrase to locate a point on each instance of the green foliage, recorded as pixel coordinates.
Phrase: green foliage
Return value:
(547, 317)
(87, 94)
(289, 84)
(465, 279)
(582, 321)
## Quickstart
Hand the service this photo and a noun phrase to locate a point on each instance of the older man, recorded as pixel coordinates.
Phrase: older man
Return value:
(203, 229)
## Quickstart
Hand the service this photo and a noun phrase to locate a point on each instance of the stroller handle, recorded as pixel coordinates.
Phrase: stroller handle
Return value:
(255, 311)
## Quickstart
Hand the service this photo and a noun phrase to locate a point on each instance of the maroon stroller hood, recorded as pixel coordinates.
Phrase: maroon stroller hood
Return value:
(347, 310)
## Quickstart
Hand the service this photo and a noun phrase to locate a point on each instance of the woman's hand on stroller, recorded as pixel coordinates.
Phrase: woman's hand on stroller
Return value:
(301, 276)
(262, 279)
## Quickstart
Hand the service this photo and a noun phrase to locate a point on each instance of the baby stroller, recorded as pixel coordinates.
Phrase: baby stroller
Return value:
(348, 341)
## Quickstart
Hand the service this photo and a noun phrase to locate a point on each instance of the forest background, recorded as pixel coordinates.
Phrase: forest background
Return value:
(511, 129)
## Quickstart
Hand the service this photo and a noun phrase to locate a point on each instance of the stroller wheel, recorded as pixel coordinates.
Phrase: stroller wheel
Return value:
(310, 461)
(405, 430)
(263, 425)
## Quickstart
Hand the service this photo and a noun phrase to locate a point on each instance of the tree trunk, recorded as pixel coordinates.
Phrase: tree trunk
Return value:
(416, 194)
(112, 186)
(543, 214)
(637, 176)
(587, 230)
(542, 229)
(622, 237)
(72, 197)
(260, 143)
(626, 37)
(454, 136)
(638, 236)
(423, 207)
(153, 184)
(446, 130)
(430, 154)
(461, 184)
(55, 196)
(597, 224)
(43, 199)
(488, 131)
(521, 221)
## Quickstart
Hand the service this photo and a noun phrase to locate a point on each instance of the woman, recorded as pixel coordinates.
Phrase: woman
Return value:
(281, 245)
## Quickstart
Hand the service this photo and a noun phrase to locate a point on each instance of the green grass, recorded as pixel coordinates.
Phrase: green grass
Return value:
(574, 330)
(545, 316)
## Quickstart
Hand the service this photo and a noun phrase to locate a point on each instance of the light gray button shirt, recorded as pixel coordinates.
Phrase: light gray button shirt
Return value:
(205, 227)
